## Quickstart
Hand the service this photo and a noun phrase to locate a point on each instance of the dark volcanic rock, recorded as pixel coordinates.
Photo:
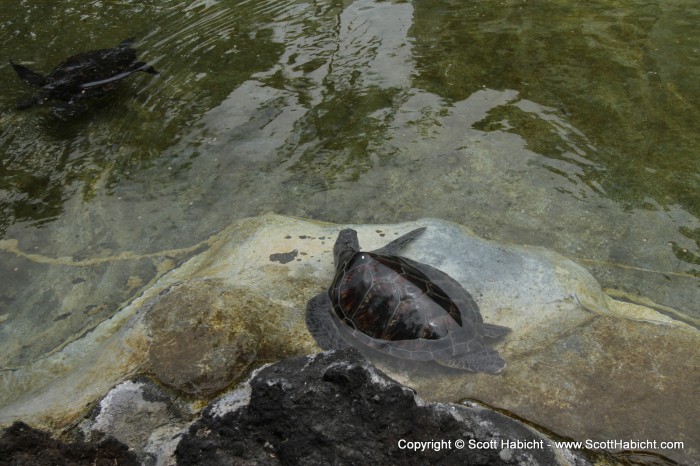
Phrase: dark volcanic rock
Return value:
(335, 408)
(23, 445)
(329, 408)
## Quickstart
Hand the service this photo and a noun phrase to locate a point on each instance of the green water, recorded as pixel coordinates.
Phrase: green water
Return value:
(568, 125)
(624, 73)
(202, 54)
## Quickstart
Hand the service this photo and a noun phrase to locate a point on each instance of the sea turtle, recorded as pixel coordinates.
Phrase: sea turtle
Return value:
(401, 307)
(83, 76)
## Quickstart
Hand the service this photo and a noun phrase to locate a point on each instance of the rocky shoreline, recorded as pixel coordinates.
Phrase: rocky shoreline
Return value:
(579, 362)
(330, 408)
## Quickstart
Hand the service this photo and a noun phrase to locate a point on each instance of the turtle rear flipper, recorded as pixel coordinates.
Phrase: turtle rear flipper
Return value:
(68, 110)
(30, 77)
(31, 101)
(484, 360)
(320, 323)
(493, 332)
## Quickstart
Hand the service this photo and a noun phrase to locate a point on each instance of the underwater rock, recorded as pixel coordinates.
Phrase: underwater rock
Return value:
(201, 352)
(578, 362)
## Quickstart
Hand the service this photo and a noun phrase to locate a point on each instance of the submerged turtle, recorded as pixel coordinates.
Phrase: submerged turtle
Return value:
(83, 76)
(402, 308)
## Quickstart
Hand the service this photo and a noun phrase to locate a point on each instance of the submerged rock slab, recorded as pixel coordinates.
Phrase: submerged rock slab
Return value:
(578, 361)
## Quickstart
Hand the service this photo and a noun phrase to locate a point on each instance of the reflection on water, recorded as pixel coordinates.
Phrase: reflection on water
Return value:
(202, 51)
(571, 126)
(626, 75)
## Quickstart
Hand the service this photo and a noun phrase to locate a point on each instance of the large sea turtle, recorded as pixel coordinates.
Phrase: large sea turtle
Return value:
(83, 76)
(402, 308)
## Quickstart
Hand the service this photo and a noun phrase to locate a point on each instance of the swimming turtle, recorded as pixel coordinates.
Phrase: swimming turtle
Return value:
(83, 76)
(402, 308)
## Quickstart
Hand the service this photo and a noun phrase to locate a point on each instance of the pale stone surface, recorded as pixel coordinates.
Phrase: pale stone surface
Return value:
(578, 362)
(143, 416)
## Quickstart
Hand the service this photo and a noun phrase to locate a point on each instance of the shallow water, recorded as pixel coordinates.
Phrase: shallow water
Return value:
(569, 126)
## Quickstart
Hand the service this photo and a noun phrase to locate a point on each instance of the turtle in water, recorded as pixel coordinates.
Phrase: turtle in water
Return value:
(80, 77)
(401, 307)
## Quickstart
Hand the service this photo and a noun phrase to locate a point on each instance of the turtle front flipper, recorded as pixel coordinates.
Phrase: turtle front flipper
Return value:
(104, 82)
(30, 77)
(484, 360)
(145, 67)
(398, 244)
(320, 323)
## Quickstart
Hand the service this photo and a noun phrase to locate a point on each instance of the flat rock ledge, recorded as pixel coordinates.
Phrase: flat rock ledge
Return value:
(330, 408)
(579, 362)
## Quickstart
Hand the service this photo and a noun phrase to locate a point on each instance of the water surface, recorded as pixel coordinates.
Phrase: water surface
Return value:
(569, 126)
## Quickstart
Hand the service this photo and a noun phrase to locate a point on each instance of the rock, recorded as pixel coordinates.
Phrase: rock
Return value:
(22, 445)
(140, 414)
(201, 352)
(575, 356)
(335, 408)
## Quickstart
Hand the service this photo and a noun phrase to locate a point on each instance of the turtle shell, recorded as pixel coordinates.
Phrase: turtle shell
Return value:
(92, 66)
(404, 308)
(86, 75)
(106, 65)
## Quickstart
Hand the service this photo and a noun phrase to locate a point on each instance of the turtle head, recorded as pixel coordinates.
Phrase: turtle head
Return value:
(345, 246)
